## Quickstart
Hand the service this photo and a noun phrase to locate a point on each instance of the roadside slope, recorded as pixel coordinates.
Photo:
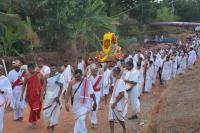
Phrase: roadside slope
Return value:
(178, 110)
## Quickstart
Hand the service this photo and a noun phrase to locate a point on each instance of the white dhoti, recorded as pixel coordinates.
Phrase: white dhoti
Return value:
(105, 90)
(80, 112)
(51, 109)
(192, 59)
(16, 79)
(16, 104)
(51, 114)
(93, 114)
(182, 66)
(141, 82)
(190, 63)
(135, 102)
(120, 111)
(198, 52)
(148, 84)
(1, 119)
(2, 106)
(106, 82)
(156, 68)
(115, 114)
(6, 89)
(149, 79)
(80, 108)
(167, 71)
(140, 87)
(133, 94)
(181, 69)
(174, 71)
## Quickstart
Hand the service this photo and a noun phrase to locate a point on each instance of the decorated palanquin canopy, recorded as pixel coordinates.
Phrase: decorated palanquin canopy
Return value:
(111, 51)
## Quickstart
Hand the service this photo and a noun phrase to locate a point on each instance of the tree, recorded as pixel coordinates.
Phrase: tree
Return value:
(187, 10)
(15, 31)
(142, 10)
(165, 14)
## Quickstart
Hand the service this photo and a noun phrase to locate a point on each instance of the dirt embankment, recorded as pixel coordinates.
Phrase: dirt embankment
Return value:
(178, 110)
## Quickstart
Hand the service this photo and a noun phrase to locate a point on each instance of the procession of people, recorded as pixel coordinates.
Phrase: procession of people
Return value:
(91, 85)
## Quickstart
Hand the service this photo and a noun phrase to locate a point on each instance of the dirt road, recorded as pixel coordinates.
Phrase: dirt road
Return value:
(174, 109)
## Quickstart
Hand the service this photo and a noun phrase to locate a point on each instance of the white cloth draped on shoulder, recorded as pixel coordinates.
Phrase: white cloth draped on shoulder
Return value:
(97, 87)
(5, 95)
(182, 61)
(81, 104)
(156, 68)
(51, 109)
(149, 78)
(16, 103)
(134, 93)
(106, 82)
(192, 56)
(122, 106)
(67, 74)
(167, 70)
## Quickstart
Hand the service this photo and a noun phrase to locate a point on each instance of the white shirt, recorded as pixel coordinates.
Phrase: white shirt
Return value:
(45, 70)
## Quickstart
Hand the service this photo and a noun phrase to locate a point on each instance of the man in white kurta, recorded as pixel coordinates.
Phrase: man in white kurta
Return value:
(192, 56)
(16, 79)
(132, 81)
(5, 95)
(51, 103)
(96, 81)
(81, 91)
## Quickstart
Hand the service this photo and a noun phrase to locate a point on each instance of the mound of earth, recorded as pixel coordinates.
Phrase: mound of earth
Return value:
(178, 110)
